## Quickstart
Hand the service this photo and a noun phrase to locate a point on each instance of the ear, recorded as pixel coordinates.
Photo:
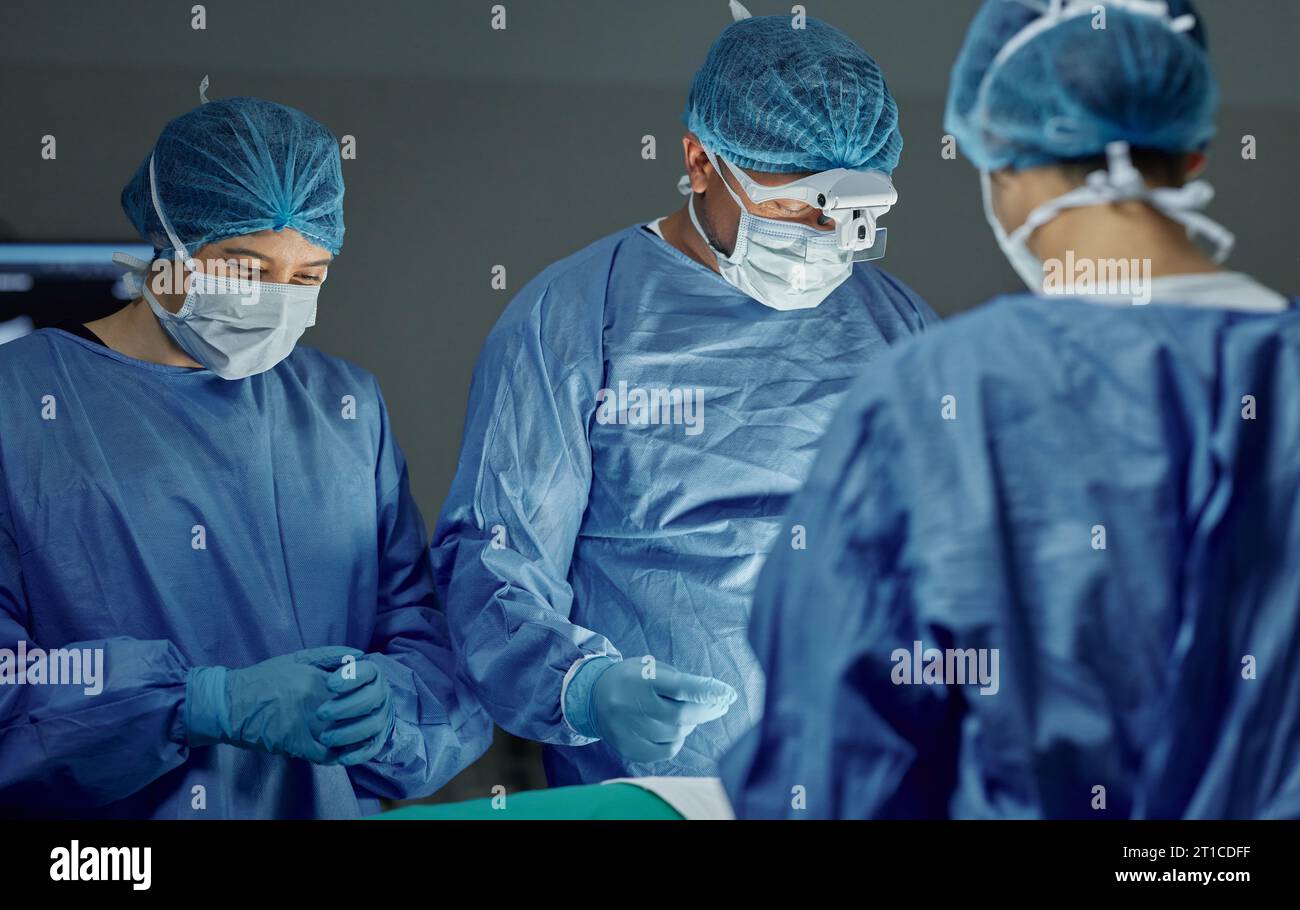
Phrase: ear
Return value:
(698, 167)
(1193, 165)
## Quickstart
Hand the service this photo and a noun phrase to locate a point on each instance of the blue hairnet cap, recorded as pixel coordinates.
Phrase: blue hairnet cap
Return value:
(1070, 89)
(779, 99)
(239, 166)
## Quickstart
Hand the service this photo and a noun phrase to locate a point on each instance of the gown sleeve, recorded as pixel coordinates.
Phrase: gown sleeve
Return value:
(72, 745)
(440, 727)
(506, 535)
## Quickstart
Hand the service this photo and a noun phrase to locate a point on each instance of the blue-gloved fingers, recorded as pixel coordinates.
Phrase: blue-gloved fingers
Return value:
(329, 657)
(655, 751)
(704, 690)
(665, 712)
(314, 753)
(675, 741)
(359, 754)
(364, 673)
(648, 719)
(355, 731)
(355, 703)
(693, 713)
(655, 729)
(274, 704)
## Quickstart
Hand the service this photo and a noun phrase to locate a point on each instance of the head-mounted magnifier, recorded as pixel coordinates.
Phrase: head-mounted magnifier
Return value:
(853, 198)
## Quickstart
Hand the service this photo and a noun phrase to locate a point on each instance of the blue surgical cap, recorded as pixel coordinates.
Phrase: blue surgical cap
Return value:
(239, 166)
(1072, 88)
(779, 99)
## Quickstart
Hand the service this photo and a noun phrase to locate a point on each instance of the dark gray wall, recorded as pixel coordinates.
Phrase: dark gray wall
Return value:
(478, 148)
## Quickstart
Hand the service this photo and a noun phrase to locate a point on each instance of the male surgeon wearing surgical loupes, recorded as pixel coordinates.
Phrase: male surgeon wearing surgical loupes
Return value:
(223, 514)
(1048, 571)
(597, 567)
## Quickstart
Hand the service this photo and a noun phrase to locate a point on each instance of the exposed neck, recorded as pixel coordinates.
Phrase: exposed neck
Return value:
(1125, 230)
(679, 232)
(135, 332)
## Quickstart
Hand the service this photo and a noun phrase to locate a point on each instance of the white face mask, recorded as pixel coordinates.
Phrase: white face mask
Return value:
(781, 264)
(235, 330)
(1121, 182)
(234, 327)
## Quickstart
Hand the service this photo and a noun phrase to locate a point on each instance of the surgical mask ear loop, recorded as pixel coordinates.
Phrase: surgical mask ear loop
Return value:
(699, 229)
(717, 166)
(737, 254)
(742, 235)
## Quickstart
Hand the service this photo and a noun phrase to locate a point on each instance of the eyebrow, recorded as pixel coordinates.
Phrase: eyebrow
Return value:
(254, 254)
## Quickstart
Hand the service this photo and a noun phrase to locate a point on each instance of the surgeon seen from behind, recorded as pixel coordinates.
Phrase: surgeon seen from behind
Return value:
(1048, 570)
(214, 521)
(643, 409)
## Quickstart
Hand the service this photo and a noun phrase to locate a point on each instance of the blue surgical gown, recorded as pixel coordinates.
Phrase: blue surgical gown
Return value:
(175, 519)
(565, 535)
(1106, 495)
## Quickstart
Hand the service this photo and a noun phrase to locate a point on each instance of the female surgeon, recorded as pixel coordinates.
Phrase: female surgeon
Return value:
(214, 523)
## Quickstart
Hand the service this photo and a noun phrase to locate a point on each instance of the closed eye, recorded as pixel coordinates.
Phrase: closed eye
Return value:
(778, 209)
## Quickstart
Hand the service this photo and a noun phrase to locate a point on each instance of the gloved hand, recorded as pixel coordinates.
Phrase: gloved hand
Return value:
(645, 720)
(359, 718)
(269, 706)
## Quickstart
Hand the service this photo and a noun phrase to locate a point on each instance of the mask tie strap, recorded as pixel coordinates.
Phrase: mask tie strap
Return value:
(1123, 182)
(1182, 204)
(166, 223)
(137, 269)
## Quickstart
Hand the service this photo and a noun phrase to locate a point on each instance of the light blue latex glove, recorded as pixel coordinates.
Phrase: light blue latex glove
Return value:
(359, 718)
(645, 720)
(269, 706)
